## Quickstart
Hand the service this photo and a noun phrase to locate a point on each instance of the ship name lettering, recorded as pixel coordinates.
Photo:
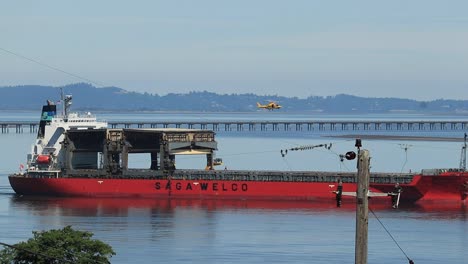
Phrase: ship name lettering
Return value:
(204, 186)
(178, 186)
(244, 187)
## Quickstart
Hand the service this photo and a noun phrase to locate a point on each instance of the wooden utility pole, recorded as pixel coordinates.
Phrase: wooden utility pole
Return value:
(362, 210)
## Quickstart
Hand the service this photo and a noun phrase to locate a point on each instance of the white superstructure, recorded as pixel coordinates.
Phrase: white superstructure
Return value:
(46, 153)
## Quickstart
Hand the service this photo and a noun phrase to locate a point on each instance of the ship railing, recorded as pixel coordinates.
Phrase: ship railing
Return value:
(243, 175)
(85, 173)
(432, 172)
(143, 173)
(44, 173)
(295, 176)
(391, 178)
(124, 174)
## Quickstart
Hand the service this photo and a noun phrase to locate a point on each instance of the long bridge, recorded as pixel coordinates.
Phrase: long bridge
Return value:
(272, 125)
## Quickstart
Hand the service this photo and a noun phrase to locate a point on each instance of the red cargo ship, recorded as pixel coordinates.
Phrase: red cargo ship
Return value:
(77, 156)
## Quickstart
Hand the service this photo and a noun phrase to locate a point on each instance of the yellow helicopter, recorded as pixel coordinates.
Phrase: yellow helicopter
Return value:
(270, 106)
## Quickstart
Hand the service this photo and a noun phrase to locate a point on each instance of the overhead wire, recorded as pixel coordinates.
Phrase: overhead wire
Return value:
(405, 147)
(429, 145)
(287, 163)
(391, 236)
(318, 147)
(51, 67)
(275, 151)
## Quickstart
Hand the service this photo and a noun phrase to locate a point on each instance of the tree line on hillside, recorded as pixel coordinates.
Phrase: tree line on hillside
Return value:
(88, 97)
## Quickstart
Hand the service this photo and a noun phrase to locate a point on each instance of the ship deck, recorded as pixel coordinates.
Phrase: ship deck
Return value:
(243, 175)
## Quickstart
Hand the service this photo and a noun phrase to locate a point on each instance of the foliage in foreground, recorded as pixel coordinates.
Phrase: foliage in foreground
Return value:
(58, 246)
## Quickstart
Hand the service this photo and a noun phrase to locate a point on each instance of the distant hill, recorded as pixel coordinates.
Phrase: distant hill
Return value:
(88, 97)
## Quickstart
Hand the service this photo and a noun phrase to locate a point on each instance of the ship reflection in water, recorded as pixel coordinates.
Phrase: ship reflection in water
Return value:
(126, 207)
(248, 231)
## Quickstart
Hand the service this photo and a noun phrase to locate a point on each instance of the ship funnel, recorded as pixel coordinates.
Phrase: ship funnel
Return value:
(48, 112)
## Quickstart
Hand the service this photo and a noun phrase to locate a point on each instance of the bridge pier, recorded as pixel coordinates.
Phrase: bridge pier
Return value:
(19, 129)
(275, 127)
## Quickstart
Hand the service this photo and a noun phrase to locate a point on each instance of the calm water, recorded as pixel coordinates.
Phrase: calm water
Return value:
(181, 231)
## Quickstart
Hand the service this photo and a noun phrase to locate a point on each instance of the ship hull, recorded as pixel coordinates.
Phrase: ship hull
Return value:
(422, 188)
(218, 189)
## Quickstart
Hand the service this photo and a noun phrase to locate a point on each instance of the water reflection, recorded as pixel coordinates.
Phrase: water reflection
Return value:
(124, 207)
(209, 231)
(436, 211)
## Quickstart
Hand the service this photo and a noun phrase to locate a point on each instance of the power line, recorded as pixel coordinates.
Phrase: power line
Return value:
(388, 232)
(51, 67)
(405, 147)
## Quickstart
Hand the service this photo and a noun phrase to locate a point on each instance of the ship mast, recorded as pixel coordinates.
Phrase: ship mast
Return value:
(66, 101)
(463, 156)
(62, 100)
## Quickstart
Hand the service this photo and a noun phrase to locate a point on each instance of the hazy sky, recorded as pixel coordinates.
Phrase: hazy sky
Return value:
(414, 49)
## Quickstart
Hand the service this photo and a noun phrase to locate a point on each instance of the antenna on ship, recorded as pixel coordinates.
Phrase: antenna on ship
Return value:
(463, 156)
(62, 100)
(66, 101)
